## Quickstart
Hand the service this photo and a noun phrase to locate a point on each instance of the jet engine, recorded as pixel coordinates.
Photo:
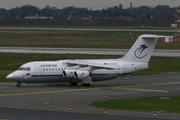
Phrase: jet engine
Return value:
(68, 73)
(81, 74)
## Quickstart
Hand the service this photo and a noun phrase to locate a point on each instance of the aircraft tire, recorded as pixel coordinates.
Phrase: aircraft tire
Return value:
(74, 83)
(18, 85)
(86, 84)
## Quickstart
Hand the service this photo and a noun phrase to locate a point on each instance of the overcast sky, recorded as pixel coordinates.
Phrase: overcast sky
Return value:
(94, 4)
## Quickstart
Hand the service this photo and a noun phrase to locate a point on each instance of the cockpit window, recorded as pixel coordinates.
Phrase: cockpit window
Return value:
(21, 68)
(29, 69)
(25, 68)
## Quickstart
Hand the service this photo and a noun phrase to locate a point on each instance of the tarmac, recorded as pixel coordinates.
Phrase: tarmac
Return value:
(96, 51)
(63, 101)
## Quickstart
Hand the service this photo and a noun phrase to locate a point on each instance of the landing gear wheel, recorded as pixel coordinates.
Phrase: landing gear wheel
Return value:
(73, 83)
(86, 84)
(18, 85)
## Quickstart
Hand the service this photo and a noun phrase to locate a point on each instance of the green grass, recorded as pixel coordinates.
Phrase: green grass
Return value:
(76, 39)
(159, 65)
(151, 104)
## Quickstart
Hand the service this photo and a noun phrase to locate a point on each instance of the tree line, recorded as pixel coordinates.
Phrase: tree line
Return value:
(160, 15)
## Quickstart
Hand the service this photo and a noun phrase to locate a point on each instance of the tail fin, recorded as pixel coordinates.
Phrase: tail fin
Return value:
(142, 49)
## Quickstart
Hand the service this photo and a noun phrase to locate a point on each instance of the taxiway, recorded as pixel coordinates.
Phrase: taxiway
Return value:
(163, 53)
(84, 29)
(29, 101)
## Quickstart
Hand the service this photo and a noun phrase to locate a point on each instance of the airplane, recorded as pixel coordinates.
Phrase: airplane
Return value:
(87, 71)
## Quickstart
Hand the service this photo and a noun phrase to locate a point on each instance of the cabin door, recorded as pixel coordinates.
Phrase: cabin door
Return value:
(38, 69)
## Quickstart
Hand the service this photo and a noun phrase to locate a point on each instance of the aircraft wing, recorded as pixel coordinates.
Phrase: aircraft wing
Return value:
(86, 64)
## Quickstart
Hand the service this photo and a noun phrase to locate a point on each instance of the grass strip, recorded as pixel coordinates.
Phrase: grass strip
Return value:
(76, 39)
(150, 104)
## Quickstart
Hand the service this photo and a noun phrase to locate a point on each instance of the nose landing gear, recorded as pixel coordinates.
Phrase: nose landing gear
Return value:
(18, 84)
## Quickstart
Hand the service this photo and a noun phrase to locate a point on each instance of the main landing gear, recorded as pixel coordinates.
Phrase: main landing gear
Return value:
(73, 83)
(87, 84)
(18, 84)
(76, 83)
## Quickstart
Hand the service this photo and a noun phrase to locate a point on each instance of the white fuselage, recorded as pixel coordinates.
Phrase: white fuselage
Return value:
(52, 71)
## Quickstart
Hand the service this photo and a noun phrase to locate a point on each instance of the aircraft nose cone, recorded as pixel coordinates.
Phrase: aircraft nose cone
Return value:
(10, 76)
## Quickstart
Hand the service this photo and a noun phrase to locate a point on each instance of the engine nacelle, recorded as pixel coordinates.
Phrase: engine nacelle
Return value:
(81, 74)
(68, 73)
